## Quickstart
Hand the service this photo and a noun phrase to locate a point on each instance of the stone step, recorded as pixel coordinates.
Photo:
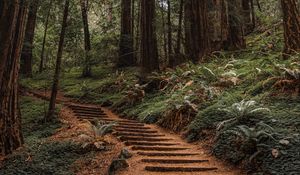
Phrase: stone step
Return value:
(134, 130)
(132, 138)
(178, 169)
(157, 148)
(173, 161)
(137, 134)
(142, 143)
(132, 127)
(162, 154)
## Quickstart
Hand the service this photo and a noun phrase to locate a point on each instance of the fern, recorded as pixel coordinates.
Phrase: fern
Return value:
(241, 111)
(101, 129)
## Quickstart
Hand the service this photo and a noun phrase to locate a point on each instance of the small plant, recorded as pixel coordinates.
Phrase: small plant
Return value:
(241, 112)
(101, 128)
(251, 140)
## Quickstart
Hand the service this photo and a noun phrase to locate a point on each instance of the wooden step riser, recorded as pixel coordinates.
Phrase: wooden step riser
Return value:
(172, 161)
(158, 154)
(87, 109)
(133, 127)
(140, 148)
(142, 139)
(138, 135)
(89, 113)
(134, 130)
(149, 144)
(177, 169)
(124, 121)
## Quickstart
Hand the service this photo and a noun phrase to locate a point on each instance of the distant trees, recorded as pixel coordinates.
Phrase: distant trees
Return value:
(26, 58)
(196, 29)
(126, 51)
(87, 70)
(12, 29)
(149, 52)
(291, 23)
(54, 91)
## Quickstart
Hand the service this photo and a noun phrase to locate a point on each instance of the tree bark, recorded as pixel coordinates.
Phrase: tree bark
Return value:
(197, 38)
(13, 15)
(291, 23)
(41, 67)
(170, 46)
(26, 57)
(87, 70)
(247, 16)
(126, 54)
(51, 110)
(179, 30)
(149, 53)
(235, 38)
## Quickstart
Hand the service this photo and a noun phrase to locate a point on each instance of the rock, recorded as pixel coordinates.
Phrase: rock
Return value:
(125, 154)
(116, 165)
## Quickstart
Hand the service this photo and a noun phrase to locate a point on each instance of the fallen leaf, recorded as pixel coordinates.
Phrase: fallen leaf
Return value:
(275, 153)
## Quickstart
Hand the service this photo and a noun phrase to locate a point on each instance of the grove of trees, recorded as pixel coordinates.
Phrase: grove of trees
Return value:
(151, 34)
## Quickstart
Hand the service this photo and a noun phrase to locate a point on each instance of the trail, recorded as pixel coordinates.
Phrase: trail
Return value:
(155, 150)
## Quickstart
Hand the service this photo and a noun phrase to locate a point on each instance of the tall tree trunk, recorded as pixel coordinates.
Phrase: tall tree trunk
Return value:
(137, 36)
(126, 55)
(165, 39)
(26, 57)
(235, 38)
(87, 70)
(291, 23)
(12, 30)
(41, 67)
(247, 16)
(170, 46)
(149, 53)
(197, 39)
(179, 30)
(58, 64)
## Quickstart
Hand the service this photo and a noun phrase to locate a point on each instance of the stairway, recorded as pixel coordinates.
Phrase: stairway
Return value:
(155, 152)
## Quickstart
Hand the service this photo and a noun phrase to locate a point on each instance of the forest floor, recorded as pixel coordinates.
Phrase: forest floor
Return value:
(191, 101)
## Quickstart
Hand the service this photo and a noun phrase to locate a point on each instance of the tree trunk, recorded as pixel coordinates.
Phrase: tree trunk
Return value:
(170, 46)
(165, 39)
(126, 55)
(235, 38)
(291, 23)
(87, 70)
(197, 38)
(179, 30)
(247, 16)
(58, 64)
(41, 67)
(149, 53)
(26, 57)
(12, 30)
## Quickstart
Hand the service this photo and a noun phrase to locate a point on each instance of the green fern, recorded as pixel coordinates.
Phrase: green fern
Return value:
(252, 138)
(241, 111)
(101, 128)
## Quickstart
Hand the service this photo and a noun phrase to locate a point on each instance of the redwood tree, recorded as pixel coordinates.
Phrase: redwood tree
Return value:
(196, 29)
(26, 57)
(58, 64)
(126, 55)
(13, 15)
(291, 23)
(235, 39)
(149, 53)
(87, 71)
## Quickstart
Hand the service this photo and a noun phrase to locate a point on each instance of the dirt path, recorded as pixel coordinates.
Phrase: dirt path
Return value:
(156, 151)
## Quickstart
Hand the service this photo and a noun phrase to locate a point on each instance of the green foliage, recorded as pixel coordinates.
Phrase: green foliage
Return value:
(101, 128)
(241, 112)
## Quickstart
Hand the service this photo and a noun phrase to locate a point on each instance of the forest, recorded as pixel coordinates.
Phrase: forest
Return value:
(149, 87)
